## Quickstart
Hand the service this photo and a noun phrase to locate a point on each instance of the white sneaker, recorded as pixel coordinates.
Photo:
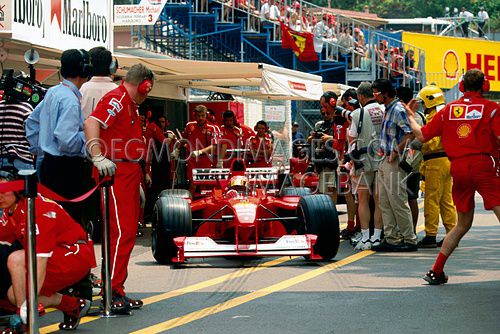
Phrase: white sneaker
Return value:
(375, 242)
(364, 245)
(356, 238)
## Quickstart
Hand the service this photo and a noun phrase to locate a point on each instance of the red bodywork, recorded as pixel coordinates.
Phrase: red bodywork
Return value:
(256, 224)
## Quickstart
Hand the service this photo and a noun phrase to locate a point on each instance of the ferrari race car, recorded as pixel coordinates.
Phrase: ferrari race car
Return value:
(245, 214)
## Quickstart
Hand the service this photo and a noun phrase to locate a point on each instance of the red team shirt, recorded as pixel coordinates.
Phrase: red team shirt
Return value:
(58, 238)
(465, 126)
(123, 140)
(469, 131)
(259, 150)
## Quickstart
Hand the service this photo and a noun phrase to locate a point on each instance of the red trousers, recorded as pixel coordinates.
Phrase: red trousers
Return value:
(67, 266)
(123, 219)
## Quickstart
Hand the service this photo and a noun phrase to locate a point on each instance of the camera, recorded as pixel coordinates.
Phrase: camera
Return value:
(347, 114)
(318, 134)
(20, 89)
(355, 158)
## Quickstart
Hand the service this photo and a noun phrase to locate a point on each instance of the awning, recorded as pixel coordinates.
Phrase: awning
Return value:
(253, 80)
(241, 79)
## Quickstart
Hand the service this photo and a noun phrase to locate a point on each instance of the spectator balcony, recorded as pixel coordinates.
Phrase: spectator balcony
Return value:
(348, 50)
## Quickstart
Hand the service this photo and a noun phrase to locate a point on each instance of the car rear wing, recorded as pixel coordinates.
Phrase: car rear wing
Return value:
(215, 176)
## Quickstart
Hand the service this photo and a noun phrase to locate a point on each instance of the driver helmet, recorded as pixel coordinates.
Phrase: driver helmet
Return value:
(431, 96)
(238, 183)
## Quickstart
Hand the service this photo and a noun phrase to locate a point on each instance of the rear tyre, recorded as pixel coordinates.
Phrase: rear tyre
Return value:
(296, 191)
(172, 218)
(317, 213)
(182, 193)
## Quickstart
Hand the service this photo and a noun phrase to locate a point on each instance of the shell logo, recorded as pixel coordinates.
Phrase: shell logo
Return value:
(451, 64)
(464, 130)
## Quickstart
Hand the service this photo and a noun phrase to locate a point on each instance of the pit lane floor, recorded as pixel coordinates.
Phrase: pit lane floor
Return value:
(358, 292)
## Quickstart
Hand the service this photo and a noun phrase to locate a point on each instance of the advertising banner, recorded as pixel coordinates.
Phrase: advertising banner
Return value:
(63, 24)
(145, 13)
(452, 56)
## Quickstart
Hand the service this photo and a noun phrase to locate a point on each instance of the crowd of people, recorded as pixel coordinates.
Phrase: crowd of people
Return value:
(93, 129)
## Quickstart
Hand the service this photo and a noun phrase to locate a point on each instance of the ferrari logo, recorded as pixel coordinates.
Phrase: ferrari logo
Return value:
(464, 131)
(300, 42)
(457, 111)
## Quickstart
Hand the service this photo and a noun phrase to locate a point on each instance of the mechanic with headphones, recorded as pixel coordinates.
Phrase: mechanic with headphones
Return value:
(55, 130)
(470, 134)
(116, 147)
(104, 66)
(261, 146)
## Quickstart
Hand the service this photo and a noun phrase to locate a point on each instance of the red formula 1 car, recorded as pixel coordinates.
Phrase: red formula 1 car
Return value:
(244, 215)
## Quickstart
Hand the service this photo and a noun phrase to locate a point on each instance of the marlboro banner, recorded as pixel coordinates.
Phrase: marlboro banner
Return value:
(302, 43)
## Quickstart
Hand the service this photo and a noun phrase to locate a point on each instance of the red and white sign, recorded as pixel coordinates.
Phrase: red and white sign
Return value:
(62, 24)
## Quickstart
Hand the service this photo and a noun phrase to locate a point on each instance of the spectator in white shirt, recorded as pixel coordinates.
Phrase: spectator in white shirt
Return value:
(467, 18)
(269, 12)
(483, 17)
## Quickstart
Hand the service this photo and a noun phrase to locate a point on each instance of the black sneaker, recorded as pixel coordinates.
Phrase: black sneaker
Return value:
(134, 304)
(440, 243)
(427, 242)
(72, 319)
(434, 279)
(346, 234)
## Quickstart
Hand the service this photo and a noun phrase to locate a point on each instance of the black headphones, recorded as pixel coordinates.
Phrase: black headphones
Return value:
(113, 66)
(85, 66)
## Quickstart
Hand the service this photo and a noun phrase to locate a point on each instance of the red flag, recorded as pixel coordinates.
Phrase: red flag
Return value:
(302, 43)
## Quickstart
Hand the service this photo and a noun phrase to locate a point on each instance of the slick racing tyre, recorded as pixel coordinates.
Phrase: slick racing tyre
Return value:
(295, 191)
(182, 193)
(318, 215)
(172, 217)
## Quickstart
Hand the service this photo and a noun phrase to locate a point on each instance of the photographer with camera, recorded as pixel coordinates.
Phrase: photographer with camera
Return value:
(363, 137)
(323, 152)
(14, 110)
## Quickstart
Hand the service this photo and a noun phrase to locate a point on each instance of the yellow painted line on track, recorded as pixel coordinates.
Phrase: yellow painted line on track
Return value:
(180, 321)
(190, 288)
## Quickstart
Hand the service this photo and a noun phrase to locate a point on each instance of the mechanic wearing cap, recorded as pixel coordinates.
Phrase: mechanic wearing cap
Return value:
(201, 138)
(436, 171)
(55, 130)
(64, 256)
(395, 135)
(470, 134)
(116, 147)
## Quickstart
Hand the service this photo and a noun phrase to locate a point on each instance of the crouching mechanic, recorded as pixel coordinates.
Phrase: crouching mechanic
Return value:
(64, 257)
(470, 132)
(115, 143)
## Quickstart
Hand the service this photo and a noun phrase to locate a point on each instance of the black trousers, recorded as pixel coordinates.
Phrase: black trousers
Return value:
(68, 177)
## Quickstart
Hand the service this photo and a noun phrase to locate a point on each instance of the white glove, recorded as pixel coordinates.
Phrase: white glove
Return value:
(105, 166)
(195, 154)
(171, 136)
(220, 164)
(175, 154)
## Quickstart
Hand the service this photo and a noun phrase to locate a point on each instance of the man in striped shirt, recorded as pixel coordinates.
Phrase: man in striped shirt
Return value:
(14, 148)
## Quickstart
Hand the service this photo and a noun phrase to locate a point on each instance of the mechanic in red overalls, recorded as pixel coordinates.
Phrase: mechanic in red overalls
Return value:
(261, 146)
(64, 256)
(201, 138)
(116, 146)
(231, 137)
(470, 133)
